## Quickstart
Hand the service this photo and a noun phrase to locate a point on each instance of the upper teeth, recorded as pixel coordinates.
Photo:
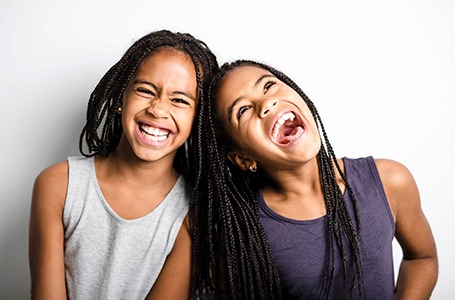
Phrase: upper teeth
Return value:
(154, 131)
(285, 117)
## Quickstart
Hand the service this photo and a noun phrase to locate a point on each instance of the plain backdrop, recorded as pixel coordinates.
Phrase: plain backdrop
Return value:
(382, 74)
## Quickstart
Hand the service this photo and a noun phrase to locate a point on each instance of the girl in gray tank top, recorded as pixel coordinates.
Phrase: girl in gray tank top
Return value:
(112, 224)
(286, 218)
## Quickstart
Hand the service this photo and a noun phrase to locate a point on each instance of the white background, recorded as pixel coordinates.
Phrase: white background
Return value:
(381, 73)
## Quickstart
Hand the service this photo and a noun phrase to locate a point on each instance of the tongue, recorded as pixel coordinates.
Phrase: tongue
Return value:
(291, 136)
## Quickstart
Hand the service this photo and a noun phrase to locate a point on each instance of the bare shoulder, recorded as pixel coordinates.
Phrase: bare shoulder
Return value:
(58, 169)
(53, 175)
(51, 184)
(46, 233)
(393, 171)
(399, 184)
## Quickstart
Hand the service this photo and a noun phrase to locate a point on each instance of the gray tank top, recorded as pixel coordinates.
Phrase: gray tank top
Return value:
(107, 257)
(300, 247)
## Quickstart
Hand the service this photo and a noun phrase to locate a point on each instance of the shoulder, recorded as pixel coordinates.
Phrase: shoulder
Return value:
(46, 232)
(51, 184)
(53, 174)
(393, 174)
(398, 182)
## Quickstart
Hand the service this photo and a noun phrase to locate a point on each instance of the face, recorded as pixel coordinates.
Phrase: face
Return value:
(159, 105)
(266, 119)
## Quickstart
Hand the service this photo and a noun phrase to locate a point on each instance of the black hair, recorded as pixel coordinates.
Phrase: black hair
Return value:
(234, 253)
(103, 127)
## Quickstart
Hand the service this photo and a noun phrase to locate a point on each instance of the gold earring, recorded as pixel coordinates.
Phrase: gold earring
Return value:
(253, 168)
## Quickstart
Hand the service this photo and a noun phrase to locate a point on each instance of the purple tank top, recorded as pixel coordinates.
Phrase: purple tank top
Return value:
(300, 247)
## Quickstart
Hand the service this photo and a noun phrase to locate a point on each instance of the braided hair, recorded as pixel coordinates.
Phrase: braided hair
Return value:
(234, 253)
(103, 128)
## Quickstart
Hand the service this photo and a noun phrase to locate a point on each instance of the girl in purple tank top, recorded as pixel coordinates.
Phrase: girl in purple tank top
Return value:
(277, 215)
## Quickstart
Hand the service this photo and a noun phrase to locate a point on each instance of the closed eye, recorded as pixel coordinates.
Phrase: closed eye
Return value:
(145, 91)
(268, 85)
(241, 110)
(180, 101)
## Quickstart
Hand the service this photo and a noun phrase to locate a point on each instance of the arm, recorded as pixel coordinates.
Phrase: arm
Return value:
(46, 233)
(174, 281)
(419, 268)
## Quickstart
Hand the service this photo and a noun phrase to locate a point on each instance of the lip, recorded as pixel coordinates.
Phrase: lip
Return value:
(153, 140)
(299, 121)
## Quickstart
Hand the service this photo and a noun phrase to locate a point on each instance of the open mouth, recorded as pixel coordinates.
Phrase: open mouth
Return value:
(287, 129)
(153, 133)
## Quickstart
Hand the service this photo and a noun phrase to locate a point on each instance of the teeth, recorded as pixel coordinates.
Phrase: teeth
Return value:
(155, 133)
(156, 138)
(285, 117)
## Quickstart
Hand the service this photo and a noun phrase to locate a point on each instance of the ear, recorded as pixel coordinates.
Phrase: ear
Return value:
(242, 162)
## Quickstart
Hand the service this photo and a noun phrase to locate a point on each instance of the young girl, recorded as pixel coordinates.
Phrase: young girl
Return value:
(110, 225)
(290, 220)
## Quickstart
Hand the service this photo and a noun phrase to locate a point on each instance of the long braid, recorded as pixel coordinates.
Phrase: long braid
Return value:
(235, 254)
(245, 248)
(341, 223)
(103, 128)
(341, 213)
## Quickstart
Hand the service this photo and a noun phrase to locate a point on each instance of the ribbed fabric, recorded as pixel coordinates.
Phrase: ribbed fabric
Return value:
(300, 247)
(106, 256)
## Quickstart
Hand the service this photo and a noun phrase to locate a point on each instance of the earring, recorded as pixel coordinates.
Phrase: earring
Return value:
(253, 168)
(119, 110)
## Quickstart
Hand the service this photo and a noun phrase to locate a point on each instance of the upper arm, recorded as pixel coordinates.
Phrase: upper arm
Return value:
(174, 281)
(46, 233)
(412, 229)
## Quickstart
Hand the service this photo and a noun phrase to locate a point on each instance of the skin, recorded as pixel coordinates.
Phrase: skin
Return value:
(162, 94)
(249, 102)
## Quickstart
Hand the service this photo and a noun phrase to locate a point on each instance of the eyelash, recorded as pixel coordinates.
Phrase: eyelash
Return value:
(243, 109)
(145, 91)
(180, 101)
(268, 85)
(176, 100)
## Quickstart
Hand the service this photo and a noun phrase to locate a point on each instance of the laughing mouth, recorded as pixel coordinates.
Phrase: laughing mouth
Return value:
(287, 129)
(153, 133)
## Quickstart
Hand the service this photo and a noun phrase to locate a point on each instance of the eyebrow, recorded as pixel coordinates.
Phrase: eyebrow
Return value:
(140, 81)
(231, 107)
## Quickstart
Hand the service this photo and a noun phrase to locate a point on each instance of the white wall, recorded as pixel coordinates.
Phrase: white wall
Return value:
(382, 74)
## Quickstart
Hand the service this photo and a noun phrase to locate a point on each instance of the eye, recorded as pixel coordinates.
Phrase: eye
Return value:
(268, 85)
(180, 101)
(145, 91)
(241, 110)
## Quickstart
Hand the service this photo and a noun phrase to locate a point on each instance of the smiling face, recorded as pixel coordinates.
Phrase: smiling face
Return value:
(266, 120)
(159, 105)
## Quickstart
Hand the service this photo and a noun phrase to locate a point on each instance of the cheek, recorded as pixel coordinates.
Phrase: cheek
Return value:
(185, 119)
(128, 123)
(129, 111)
(244, 138)
(131, 104)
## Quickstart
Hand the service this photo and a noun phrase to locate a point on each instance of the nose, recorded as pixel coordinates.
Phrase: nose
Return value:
(159, 109)
(266, 106)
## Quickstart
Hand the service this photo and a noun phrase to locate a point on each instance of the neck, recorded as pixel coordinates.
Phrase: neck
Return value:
(299, 180)
(296, 193)
(131, 170)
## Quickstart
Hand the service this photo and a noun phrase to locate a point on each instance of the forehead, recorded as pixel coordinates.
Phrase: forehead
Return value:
(165, 54)
(239, 81)
(167, 64)
(242, 76)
